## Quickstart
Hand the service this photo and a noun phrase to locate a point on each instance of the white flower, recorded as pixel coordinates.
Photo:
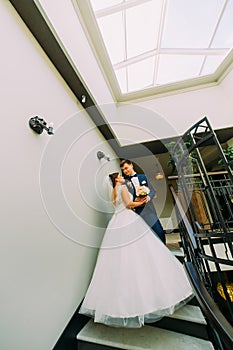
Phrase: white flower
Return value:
(142, 191)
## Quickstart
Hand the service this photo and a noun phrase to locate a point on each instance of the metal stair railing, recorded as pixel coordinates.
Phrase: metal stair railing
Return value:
(208, 246)
(219, 329)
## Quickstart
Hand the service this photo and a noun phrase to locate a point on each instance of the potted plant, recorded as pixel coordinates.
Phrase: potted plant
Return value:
(171, 162)
(229, 156)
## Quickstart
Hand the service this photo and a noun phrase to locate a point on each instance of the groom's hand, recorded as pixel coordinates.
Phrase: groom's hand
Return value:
(142, 200)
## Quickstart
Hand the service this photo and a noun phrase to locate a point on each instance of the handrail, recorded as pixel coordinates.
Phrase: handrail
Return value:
(218, 323)
(184, 219)
(216, 259)
(195, 126)
(209, 173)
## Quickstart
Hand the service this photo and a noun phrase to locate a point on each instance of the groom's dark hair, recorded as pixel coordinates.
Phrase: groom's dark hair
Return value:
(127, 161)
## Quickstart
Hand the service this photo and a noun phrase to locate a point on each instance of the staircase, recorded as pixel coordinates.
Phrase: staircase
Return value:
(100, 337)
(186, 329)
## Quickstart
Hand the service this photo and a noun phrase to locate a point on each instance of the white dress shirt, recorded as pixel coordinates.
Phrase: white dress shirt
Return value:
(135, 182)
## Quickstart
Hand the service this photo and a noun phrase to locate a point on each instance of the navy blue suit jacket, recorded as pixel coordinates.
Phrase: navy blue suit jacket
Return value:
(147, 211)
(149, 208)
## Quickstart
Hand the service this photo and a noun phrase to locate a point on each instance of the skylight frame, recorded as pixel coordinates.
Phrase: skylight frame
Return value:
(93, 31)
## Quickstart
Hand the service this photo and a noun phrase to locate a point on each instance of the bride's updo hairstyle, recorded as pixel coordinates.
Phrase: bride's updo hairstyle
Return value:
(113, 177)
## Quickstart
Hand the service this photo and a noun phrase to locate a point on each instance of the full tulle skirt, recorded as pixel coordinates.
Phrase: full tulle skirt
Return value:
(136, 279)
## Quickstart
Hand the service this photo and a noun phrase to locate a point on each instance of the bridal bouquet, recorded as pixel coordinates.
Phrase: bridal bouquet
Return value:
(142, 191)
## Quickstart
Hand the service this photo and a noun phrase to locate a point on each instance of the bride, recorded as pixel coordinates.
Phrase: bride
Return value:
(136, 279)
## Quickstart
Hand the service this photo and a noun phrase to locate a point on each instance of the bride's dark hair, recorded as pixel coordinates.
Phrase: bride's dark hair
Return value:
(113, 177)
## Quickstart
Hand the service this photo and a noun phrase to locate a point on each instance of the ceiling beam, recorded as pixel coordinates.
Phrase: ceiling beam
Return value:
(175, 51)
(119, 7)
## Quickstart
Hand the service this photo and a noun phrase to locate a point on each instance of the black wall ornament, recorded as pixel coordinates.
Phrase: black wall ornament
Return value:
(38, 125)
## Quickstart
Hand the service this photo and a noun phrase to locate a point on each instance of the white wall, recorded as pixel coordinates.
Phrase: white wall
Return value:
(52, 194)
(182, 110)
(67, 26)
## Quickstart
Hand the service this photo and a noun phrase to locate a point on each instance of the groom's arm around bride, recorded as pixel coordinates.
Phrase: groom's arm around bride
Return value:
(146, 211)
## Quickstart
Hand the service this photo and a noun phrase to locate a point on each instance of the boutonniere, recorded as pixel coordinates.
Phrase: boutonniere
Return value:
(143, 182)
(129, 184)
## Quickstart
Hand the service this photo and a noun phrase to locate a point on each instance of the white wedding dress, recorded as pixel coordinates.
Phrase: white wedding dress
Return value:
(136, 278)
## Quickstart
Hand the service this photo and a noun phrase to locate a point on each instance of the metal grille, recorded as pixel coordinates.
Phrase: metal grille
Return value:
(205, 214)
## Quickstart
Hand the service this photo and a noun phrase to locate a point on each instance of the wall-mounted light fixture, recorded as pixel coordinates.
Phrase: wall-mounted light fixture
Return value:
(101, 155)
(38, 124)
(83, 98)
(158, 174)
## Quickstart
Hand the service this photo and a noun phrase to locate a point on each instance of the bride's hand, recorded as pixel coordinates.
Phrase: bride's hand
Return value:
(141, 200)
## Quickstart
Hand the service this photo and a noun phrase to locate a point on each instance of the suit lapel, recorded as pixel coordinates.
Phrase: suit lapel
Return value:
(142, 180)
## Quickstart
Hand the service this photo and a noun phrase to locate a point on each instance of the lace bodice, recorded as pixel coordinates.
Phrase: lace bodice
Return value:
(119, 204)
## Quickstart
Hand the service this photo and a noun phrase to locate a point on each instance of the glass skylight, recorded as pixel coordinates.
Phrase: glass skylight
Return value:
(151, 43)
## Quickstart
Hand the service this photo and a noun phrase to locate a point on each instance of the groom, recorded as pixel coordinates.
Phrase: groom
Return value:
(147, 212)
